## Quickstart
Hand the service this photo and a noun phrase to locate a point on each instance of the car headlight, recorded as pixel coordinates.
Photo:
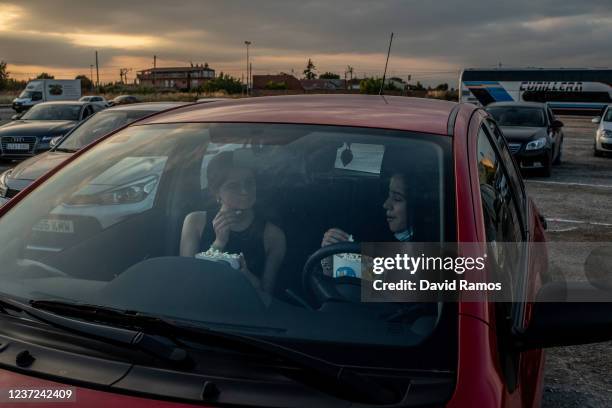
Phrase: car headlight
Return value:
(3, 185)
(46, 138)
(130, 193)
(604, 133)
(536, 144)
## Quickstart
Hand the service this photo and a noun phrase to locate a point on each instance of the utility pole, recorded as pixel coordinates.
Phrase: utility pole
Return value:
(123, 74)
(251, 75)
(91, 86)
(247, 43)
(97, 72)
(154, 67)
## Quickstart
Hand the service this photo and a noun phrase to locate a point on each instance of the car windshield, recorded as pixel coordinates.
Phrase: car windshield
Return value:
(28, 94)
(153, 219)
(608, 115)
(518, 116)
(99, 125)
(53, 112)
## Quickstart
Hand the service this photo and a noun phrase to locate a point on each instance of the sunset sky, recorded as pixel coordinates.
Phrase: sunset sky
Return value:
(433, 40)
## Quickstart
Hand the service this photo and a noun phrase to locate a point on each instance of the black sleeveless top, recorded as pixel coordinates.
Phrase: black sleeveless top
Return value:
(250, 242)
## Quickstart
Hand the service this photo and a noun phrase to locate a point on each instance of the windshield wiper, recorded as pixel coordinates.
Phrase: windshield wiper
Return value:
(159, 347)
(315, 371)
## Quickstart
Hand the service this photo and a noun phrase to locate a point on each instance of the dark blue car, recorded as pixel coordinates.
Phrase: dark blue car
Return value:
(32, 132)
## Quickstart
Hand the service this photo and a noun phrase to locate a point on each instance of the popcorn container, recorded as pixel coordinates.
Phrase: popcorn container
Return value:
(347, 265)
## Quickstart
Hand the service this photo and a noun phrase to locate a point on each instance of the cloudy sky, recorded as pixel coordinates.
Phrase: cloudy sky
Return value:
(433, 39)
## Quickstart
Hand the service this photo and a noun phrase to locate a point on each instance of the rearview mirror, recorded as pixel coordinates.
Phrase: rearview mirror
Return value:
(596, 119)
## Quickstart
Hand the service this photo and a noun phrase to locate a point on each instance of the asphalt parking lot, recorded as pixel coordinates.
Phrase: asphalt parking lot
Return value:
(577, 203)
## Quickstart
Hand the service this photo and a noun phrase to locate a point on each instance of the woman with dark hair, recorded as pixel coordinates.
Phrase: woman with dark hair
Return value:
(396, 211)
(237, 227)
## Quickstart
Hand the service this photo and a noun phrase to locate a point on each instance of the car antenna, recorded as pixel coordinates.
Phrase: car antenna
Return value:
(382, 85)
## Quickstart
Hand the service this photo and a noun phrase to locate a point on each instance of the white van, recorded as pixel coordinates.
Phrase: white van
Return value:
(44, 90)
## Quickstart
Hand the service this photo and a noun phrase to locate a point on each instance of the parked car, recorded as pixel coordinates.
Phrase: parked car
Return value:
(13, 180)
(31, 133)
(97, 99)
(603, 135)
(124, 314)
(123, 100)
(534, 134)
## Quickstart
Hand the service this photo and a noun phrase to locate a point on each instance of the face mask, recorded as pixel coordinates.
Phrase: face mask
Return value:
(404, 235)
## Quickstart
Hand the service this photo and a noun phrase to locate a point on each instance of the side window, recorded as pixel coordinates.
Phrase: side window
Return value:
(512, 168)
(501, 218)
(551, 116)
(87, 112)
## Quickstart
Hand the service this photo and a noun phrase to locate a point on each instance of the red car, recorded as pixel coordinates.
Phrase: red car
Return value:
(202, 256)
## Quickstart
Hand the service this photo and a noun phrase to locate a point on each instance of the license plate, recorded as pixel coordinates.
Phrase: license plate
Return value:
(57, 226)
(17, 146)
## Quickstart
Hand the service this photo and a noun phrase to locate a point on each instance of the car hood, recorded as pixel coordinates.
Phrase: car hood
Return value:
(36, 166)
(523, 134)
(36, 127)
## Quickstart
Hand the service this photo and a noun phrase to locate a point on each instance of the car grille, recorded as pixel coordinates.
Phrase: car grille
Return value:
(607, 146)
(29, 140)
(514, 147)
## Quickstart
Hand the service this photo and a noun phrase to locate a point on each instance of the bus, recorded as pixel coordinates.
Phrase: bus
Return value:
(566, 91)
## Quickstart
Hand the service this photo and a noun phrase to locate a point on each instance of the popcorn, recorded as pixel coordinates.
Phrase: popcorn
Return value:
(350, 257)
(213, 254)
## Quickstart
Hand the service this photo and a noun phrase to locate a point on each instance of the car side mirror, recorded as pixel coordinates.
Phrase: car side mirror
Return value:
(54, 142)
(596, 120)
(557, 124)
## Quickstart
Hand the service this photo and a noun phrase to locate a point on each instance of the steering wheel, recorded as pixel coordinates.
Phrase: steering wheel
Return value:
(326, 288)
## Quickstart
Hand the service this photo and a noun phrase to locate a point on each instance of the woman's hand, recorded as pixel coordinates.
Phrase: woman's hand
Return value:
(222, 224)
(333, 236)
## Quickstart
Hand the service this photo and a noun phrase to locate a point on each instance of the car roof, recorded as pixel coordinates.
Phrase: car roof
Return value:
(152, 106)
(517, 104)
(374, 111)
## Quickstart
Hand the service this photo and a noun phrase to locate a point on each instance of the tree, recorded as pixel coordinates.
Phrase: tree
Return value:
(309, 72)
(223, 82)
(44, 75)
(3, 75)
(329, 75)
(86, 83)
(442, 87)
(372, 86)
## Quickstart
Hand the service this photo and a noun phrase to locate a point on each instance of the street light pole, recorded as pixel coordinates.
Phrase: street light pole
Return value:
(248, 82)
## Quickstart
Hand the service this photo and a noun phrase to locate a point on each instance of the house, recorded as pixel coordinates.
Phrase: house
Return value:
(176, 77)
